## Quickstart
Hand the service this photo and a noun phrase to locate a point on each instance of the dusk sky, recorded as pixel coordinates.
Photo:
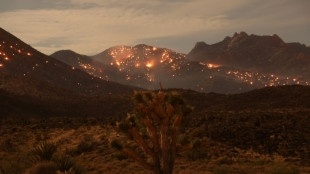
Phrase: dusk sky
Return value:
(91, 26)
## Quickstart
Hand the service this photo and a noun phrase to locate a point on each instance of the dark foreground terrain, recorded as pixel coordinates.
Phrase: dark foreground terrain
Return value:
(262, 131)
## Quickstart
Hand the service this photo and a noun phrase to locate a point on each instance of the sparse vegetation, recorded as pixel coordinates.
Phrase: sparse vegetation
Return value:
(67, 164)
(86, 145)
(158, 118)
(282, 168)
(42, 167)
(44, 151)
(237, 139)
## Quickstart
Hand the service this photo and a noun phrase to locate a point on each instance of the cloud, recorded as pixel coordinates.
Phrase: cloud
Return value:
(92, 26)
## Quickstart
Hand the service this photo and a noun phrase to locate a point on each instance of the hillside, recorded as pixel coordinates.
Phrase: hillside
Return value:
(237, 64)
(262, 54)
(18, 58)
(254, 132)
(145, 66)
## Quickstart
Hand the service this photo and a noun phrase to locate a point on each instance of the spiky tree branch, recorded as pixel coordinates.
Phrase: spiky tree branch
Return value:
(161, 115)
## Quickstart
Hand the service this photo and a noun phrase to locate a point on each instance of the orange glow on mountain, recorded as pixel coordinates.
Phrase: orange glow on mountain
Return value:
(213, 65)
(149, 65)
(154, 48)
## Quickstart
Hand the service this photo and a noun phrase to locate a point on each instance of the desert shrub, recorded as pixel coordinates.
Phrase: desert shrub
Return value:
(66, 164)
(157, 120)
(197, 152)
(44, 151)
(282, 168)
(119, 156)
(42, 167)
(86, 145)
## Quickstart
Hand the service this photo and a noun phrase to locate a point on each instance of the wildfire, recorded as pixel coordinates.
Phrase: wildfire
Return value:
(149, 65)
(212, 65)
(154, 48)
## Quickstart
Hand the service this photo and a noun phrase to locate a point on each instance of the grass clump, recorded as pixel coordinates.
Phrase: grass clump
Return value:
(44, 151)
(66, 164)
(86, 145)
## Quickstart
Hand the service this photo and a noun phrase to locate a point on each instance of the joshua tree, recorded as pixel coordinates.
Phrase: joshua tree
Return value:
(154, 126)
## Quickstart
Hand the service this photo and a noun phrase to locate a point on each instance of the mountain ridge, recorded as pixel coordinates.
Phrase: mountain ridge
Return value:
(265, 54)
(236, 64)
(19, 58)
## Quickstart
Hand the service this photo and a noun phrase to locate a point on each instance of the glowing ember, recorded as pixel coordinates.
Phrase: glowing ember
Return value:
(73, 68)
(117, 62)
(212, 65)
(6, 58)
(149, 65)
(19, 51)
(154, 48)
(1, 65)
(28, 54)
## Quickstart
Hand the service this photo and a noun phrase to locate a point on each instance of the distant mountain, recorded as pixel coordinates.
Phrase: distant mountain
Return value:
(231, 66)
(87, 64)
(258, 54)
(20, 59)
(146, 66)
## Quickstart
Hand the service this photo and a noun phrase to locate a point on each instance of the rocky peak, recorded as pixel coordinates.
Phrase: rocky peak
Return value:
(237, 38)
